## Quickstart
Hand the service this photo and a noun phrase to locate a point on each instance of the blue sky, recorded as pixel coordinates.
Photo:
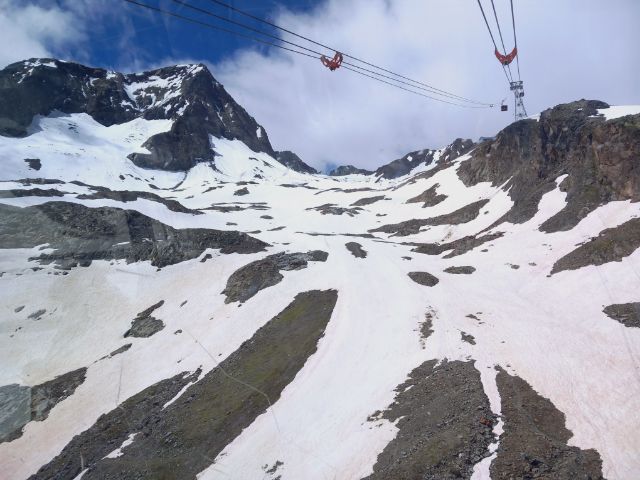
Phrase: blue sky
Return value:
(569, 49)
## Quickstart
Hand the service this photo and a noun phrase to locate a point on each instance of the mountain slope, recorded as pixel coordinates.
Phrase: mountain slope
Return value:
(241, 319)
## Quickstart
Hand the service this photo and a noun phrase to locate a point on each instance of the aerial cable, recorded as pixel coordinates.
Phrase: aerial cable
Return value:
(265, 42)
(515, 38)
(261, 32)
(486, 22)
(434, 89)
(504, 49)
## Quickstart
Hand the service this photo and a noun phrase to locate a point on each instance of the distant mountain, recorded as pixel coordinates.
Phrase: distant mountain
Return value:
(294, 162)
(343, 170)
(187, 94)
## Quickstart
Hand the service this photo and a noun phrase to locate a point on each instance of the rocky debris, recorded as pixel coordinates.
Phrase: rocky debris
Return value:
(245, 282)
(410, 227)
(528, 156)
(226, 208)
(34, 163)
(32, 192)
(22, 404)
(627, 314)
(426, 327)
(333, 209)
(199, 106)
(113, 428)
(356, 249)
(611, 245)
(120, 350)
(37, 315)
(444, 424)
(457, 247)
(18, 309)
(343, 170)
(131, 196)
(182, 439)
(534, 442)
(367, 201)
(294, 162)
(402, 166)
(144, 325)
(466, 337)
(241, 191)
(423, 278)
(79, 234)
(463, 270)
(266, 217)
(27, 182)
(429, 198)
(406, 164)
(274, 468)
(277, 229)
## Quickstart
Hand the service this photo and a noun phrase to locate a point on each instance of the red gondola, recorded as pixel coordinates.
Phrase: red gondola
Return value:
(506, 59)
(332, 63)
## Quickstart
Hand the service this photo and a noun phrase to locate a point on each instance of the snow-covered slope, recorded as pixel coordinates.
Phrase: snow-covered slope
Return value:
(434, 325)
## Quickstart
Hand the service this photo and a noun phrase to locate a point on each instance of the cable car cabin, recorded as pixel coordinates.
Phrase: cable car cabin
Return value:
(504, 108)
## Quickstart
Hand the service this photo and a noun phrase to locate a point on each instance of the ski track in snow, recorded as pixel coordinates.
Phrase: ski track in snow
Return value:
(548, 330)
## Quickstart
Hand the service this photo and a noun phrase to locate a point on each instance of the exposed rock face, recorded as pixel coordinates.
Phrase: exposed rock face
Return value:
(20, 404)
(294, 162)
(189, 95)
(343, 170)
(356, 249)
(31, 192)
(429, 198)
(245, 282)
(424, 278)
(131, 196)
(81, 234)
(34, 163)
(611, 245)
(404, 165)
(333, 209)
(367, 201)
(444, 424)
(180, 441)
(627, 314)
(534, 442)
(598, 156)
(457, 247)
(410, 227)
(144, 325)
(463, 270)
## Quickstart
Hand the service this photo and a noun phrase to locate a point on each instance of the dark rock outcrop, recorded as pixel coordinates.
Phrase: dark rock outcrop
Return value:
(199, 106)
(183, 439)
(534, 442)
(294, 162)
(424, 278)
(356, 249)
(457, 247)
(245, 282)
(333, 209)
(611, 245)
(444, 424)
(463, 270)
(599, 157)
(145, 325)
(627, 314)
(131, 196)
(343, 170)
(429, 198)
(79, 234)
(20, 404)
(361, 202)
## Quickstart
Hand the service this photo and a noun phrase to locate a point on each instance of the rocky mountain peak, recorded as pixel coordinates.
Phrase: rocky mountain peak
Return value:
(187, 94)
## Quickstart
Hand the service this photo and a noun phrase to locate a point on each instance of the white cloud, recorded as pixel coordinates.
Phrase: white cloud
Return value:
(34, 30)
(570, 50)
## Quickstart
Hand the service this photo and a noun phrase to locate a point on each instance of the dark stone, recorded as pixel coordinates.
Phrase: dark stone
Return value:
(266, 217)
(534, 442)
(598, 156)
(333, 209)
(343, 170)
(356, 249)
(457, 247)
(423, 278)
(34, 163)
(18, 309)
(241, 191)
(429, 198)
(293, 161)
(611, 245)
(122, 349)
(81, 234)
(466, 337)
(245, 282)
(627, 314)
(131, 196)
(144, 325)
(37, 315)
(463, 270)
(444, 424)
(32, 192)
(181, 440)
(21, 404)
(410, 227)
(367, 201)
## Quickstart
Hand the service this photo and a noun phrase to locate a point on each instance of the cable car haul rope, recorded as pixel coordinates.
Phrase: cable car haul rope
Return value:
(333, 61)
